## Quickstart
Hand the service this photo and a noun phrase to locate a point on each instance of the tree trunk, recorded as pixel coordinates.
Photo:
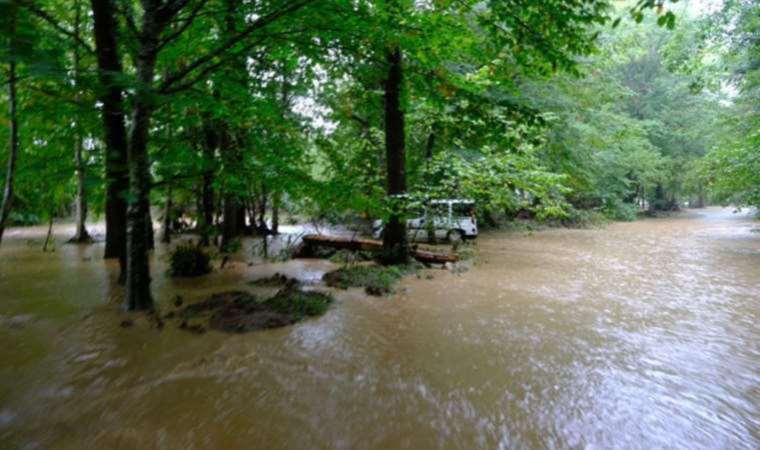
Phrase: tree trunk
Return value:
(231, 219)
(206, 214)
(276, 198)
(166, 229)
(138, 295)
(700, 200)
(117, 178)
(395, 245)
(81, 235)
(10, 174)
(49, 233)
(233, 214)
(261, 226)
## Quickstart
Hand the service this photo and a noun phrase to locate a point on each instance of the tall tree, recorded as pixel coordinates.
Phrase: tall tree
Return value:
(13, 141)
(111, 78)
(395, 245)
(81, 234)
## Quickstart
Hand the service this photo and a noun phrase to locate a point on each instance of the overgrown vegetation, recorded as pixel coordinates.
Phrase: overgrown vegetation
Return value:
(189, 260)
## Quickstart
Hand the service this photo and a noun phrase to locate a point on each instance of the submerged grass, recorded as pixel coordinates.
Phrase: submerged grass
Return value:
(240, 312)
(376, 280)
(300, 303)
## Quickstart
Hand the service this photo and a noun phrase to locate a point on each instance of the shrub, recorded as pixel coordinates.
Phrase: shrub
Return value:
(189, 260)
(616, 209)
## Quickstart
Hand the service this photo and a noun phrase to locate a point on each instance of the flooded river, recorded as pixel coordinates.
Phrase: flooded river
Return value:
(640, 335)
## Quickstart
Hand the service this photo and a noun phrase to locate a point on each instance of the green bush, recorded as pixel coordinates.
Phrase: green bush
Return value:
(189, 260)
(616, 209)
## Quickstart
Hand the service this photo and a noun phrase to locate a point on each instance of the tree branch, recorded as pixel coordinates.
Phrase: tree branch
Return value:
(42, 14)
(185, 25)
(258, 24)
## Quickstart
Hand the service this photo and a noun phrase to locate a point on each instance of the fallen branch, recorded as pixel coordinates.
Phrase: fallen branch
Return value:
(311, 241)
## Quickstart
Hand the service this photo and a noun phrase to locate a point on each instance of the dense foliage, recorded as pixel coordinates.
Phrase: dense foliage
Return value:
(733, 166)
(222, 115)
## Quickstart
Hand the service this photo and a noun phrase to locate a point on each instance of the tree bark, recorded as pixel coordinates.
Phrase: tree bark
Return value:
(276, 199)
(117, 179)
(138, 295)
(395, 244)
(13, 144)
(49, 232)
(233, 222)
(166, 228)
(231, 228)
(206, 215)
(81, 235)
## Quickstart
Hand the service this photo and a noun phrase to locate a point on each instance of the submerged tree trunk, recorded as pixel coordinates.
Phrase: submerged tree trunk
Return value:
(395, 244)
(49, 233)
(10, 175)
(81, 235)
(117, 180)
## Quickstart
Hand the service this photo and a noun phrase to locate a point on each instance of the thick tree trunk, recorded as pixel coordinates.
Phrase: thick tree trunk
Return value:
(233, 214)
(138, 295)
(81, 235)
(10, 175)
(117, 179)
(231, 226)
(395, 244)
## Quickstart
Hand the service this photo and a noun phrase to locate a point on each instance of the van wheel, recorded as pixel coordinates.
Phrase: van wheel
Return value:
(455, 236)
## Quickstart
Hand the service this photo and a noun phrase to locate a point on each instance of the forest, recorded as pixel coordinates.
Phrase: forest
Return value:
(379, 224)
(222, 118)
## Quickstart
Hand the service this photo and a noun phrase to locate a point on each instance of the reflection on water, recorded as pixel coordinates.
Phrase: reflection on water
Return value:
(642, 335)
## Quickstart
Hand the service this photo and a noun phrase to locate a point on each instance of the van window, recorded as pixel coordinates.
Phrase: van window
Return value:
(463, 209)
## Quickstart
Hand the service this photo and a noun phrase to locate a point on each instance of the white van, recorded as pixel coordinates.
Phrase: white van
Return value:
(452, 219)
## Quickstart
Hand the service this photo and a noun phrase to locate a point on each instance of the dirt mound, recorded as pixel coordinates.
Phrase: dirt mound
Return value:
(241, 312)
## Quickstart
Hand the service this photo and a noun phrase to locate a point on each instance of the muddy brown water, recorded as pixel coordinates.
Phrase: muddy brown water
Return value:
(640, 335)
